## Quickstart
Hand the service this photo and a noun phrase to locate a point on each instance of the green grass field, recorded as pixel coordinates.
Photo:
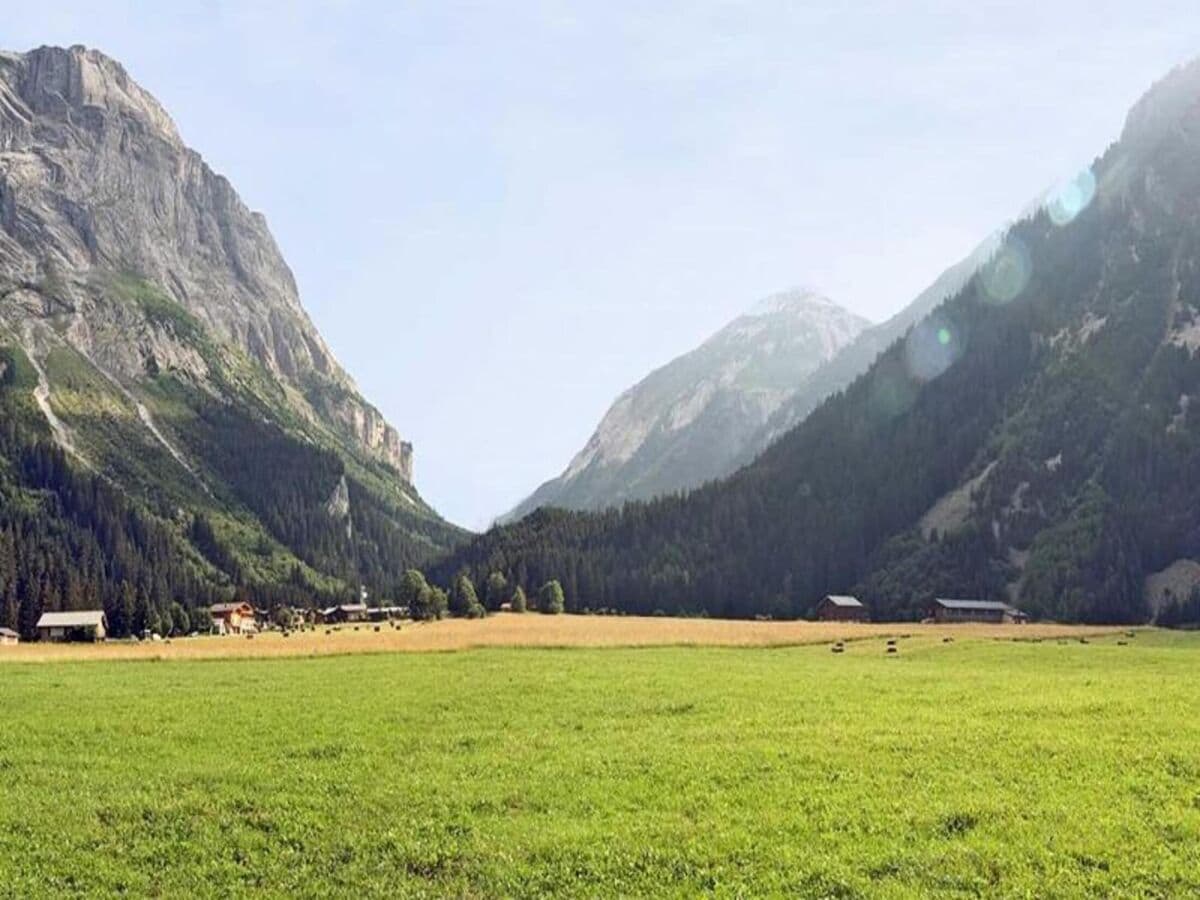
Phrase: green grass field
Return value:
(976, 767)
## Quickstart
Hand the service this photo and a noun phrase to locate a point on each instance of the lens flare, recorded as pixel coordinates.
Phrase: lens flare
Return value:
(931, 348)
(1007, 274)
(1071, 198)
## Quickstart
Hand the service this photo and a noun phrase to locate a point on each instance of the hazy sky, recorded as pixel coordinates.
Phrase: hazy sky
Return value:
(502, 214)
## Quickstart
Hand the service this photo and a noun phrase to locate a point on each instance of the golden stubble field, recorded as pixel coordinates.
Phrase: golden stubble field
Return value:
(529, 630)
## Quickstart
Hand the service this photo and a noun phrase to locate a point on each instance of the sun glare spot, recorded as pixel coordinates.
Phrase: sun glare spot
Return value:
(931, 348)
(1071, 198)
(1007, 275)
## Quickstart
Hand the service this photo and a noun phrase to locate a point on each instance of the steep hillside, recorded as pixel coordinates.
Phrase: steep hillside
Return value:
(1033, 438)
(154, 337)
(691, 420)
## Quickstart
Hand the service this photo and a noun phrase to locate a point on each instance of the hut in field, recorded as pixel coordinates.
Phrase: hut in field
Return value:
(842, 608)
(8, 636)
(346, 612)
(83, 625)
(233, 618)
(990, 611)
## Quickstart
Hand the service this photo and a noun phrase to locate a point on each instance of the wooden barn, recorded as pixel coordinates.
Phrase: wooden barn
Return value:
(841, 608)
(82, 625)
(233, 618)
(346, 612)
(942, 610)
(8, 636)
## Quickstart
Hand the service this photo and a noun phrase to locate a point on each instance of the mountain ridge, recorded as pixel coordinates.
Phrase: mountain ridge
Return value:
(687, 420)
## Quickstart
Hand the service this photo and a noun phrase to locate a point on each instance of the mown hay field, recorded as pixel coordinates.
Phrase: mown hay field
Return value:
(528, 630)
(976, 767)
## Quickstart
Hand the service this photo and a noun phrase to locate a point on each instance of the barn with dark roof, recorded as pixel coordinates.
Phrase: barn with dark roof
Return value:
(842, 608)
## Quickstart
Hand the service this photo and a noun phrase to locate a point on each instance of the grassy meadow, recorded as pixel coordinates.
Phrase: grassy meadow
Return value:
(980, 766)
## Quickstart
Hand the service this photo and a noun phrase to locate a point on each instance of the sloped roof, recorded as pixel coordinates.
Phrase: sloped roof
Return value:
(84, 618)
(8, 632)
(227, 607)
(974, 605)
(843, 600)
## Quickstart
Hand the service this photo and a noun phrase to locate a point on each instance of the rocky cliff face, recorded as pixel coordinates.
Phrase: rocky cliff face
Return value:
(694, 418)
(95, 186)
(153, 331)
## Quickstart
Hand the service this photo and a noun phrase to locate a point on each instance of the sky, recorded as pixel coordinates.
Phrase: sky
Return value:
(502, 214)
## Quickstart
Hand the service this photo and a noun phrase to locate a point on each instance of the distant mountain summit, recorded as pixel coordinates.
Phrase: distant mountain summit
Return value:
(693, 419)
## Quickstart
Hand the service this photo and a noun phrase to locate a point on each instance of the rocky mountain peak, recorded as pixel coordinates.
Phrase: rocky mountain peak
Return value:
(96, 186)
(61, 83)
(695, 418)
(1171, 103)
(798, 300)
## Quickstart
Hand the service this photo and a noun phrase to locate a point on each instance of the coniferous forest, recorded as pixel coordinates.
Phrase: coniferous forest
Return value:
(1052, 393)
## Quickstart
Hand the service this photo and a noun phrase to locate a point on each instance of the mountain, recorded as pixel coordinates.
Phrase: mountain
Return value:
(159, 369)
(856, 357)
(691, 420)
(1033, 439)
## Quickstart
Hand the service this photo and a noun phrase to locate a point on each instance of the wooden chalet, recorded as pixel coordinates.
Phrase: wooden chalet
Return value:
(233, 618)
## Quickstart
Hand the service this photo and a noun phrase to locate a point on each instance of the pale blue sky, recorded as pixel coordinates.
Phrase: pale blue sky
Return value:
(501, 215)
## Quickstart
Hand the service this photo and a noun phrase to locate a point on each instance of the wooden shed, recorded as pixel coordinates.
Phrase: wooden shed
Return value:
(993, 611)
(81, 625)
(346, 612)
(842, 608)
(8, 636)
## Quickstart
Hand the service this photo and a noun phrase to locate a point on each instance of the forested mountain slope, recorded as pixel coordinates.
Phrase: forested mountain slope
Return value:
(1034, 438)
(175, 428)
(691, 420)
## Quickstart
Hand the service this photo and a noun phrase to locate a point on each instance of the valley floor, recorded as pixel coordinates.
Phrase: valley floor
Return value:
(530, 630)
(1051, 768)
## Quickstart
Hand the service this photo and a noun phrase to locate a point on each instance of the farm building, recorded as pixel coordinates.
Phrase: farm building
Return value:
(942, 610)
(83, 625)
(385, 613)
(8, 636)
(347, 612)
(839, 608)
(233, 618)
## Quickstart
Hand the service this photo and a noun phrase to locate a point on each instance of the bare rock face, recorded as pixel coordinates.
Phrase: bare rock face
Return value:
(96, 185)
